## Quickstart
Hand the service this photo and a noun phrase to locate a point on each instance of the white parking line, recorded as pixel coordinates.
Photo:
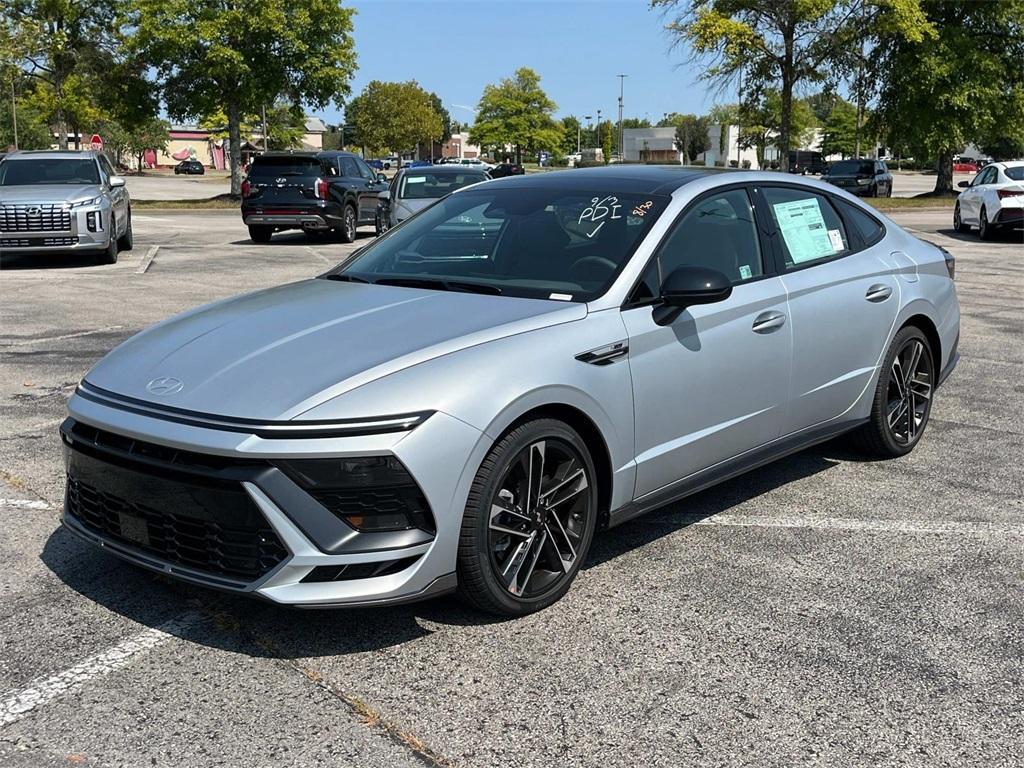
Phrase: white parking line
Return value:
(19, 703)
(24, 504)
(147, 259)
(319, 255)
(44, 339)
(855, 524)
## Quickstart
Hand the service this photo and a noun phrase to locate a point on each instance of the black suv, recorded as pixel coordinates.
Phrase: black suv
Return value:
(311, 191)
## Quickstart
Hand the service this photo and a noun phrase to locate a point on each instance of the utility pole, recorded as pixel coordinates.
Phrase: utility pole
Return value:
(622, 81)
(14, 112)
(588, 118)
(263, 109)
(599, 131)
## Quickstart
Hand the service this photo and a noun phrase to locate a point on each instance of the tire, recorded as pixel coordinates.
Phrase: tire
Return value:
(109, 255)
(874, 190)
(986, 231)
(260, 234)
(127, 241)
(958, 222)
(519, 534)
(349, 223)
(379, 225)
(899, 420)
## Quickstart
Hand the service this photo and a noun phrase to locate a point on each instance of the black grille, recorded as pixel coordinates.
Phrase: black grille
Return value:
(203, 544)
(357, 570)
(36, 242)
(34, 218)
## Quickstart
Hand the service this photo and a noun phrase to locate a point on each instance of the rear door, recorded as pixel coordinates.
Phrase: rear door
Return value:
(362, 181)
(971, 198)
(287, 182)
(843, 300)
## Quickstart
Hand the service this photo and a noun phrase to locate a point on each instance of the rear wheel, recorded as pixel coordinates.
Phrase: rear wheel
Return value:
(903, 397)
(348, 225)
(260, 234)
(529, 520)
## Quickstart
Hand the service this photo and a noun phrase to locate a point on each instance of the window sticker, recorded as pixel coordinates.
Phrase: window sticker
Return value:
(803, 230)
(560, 297)
(837, 239)
(415, 179)
(745, 272)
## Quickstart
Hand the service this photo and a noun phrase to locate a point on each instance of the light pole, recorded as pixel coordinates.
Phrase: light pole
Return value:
(578, 127)
(622, 81)
(599, 129)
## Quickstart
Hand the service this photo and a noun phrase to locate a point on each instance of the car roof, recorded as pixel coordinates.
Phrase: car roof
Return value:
(1010, 163)
(58, 154)
(625, 177)
(447, 168)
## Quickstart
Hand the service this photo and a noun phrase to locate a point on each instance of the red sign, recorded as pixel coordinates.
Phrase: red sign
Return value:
(97, 142)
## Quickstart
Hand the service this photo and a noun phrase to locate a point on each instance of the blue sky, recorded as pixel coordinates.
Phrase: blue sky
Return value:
(456, 47)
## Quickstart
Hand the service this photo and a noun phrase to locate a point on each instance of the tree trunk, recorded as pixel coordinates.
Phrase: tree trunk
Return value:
(787, 100)
(944, 181)
(235, 148)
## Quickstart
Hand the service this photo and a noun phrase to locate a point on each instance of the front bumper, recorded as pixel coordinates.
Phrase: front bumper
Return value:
(439, 454)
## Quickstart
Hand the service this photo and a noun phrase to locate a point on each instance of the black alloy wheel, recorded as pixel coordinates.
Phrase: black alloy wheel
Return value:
(529, 520)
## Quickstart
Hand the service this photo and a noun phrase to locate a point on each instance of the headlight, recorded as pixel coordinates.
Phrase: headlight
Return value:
(91, 201)
(863, 182)
(372, 494)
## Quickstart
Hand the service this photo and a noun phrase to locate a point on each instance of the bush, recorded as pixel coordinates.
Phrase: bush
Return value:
(719, 163)
(746, 165)
(590, 164)
(733, 164)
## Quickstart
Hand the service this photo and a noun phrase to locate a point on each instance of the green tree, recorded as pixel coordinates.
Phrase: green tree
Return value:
(691, 136)
(33, 130)
(395, 116)
(964, 85)
(788, 43)
(761, 119)
(635, 122)
(572, 131)
(235, 55)
(516, 112)
(608, 138)
(839, 129)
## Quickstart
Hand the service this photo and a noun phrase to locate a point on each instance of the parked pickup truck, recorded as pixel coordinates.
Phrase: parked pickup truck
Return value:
(312, 191)
(63, 202)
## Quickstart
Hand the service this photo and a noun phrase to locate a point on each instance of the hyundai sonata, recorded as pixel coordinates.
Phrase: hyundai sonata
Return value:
(463, 402)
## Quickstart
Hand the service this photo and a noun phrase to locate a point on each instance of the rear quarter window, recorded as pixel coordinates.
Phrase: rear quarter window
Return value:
(1015, 174)
(869, 229)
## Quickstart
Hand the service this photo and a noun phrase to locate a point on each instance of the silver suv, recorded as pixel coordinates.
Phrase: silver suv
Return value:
(69, 202)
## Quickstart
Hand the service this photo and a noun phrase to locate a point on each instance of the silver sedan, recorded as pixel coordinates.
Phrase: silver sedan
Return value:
(467, 400)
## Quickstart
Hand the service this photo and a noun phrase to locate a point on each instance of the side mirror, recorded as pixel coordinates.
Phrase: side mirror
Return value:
(964, 184)
(385, 195)
(116, 181)
(381, 177)
(689, 286)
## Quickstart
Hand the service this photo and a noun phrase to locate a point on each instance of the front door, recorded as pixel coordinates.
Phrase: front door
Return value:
(714, 383)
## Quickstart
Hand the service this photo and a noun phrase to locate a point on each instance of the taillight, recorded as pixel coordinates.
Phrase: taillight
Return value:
(323, 189)
(246, 187)
(1009, 193)
(950, 263)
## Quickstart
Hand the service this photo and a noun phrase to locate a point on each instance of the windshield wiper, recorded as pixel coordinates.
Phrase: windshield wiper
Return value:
(438, 284)
(345, 278)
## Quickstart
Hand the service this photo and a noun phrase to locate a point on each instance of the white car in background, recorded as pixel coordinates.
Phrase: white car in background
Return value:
(993, 200)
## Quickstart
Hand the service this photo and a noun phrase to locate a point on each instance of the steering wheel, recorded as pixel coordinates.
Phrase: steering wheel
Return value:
(591, 269)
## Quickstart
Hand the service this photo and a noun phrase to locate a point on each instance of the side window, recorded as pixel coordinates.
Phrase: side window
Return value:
(867, 227)
(349, 167)
(718, 232)
(365, 171)
(809, 228)
(106, 168)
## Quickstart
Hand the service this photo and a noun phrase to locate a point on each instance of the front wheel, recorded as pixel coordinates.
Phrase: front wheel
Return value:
(903, 397)
(127, 241)
(985, 229)
(529, 520)
(958, 221)
(109, 254)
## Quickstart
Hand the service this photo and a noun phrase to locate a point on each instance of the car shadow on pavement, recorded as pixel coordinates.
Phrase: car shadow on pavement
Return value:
(300, 238)
(245, 625)
(1000, 236)
(48, 261)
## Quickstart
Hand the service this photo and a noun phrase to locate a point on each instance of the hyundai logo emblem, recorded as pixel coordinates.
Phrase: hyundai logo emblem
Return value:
(35, 211)
(165, 385)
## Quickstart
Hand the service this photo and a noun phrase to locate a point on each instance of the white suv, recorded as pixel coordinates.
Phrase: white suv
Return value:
(994, 199)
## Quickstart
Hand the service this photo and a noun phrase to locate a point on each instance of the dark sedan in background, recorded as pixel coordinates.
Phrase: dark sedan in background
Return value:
(191, 167)
(864, 178)
(502, 170)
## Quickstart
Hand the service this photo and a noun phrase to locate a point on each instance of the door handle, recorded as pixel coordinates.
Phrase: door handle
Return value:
(878, 293)
(767, 322)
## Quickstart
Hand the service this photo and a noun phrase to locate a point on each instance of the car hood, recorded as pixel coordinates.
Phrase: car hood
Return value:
(276, 353)
(48, 193)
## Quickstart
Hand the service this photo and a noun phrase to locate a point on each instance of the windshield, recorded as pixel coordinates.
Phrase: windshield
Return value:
(428, 185)
(560, 244)
(272, 167)
(852, 168)
(1016, 173)
(48, 170)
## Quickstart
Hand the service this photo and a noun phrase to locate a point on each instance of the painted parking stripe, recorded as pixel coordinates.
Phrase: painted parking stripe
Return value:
(24, 504)
(147, 260)
(859, 524)
(17, 704)
(62, 337)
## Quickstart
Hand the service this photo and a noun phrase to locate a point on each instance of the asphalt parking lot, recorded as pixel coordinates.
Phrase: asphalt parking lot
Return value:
(822, 611)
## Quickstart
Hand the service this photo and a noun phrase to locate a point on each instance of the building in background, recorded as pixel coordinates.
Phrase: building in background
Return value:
(458, 146)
